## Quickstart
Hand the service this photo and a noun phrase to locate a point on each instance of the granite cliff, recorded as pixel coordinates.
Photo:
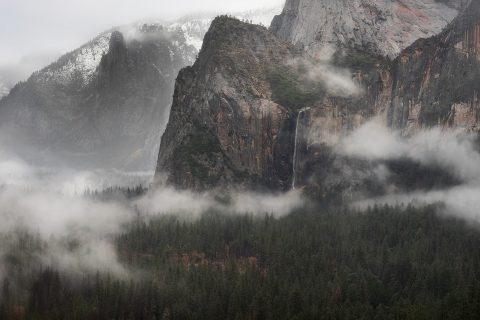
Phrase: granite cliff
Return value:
(256, 111)
(105, 104)
(382, 27)
(437, 80)
(100, 106)
(240, 113)
(224, 126)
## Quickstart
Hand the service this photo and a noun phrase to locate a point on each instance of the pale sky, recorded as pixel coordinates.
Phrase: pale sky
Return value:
(35, 31)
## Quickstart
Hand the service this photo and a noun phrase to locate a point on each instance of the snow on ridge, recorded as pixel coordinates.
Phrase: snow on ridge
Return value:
(90, 57)
(4, 88)
(195, 27)
(83, 62)
(193, 30)
(261, 16)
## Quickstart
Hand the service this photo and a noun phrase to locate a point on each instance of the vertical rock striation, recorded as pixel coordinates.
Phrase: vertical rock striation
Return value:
(437, 80)
(239, 110)
(224, 127)
(254, 111)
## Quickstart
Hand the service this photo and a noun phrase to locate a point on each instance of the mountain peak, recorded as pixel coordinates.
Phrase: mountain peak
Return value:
(382, 27)
(107, 102)
(224, 125)
(116, 38)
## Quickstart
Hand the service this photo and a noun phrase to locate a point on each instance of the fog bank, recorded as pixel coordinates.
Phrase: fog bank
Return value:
(77, 233)
(454, 151)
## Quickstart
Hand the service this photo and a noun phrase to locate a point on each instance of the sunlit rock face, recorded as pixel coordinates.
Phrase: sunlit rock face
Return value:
(380, 44)
(382, 27)
(438, 79)
(433, 83)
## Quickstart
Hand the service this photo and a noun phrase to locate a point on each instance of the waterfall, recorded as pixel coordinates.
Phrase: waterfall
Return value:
(294, 179)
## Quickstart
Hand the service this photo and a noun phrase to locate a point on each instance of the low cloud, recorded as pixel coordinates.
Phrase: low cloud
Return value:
(452, 150)
(171, 201)
(462, 201)
(14, 172)
(145, 32)
(190, 204)
(77, 233)
(336, 81)
(277, 205)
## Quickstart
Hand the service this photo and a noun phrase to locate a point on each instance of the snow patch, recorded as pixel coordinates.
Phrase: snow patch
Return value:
(187, 39)
(80, 64)
(4, 90)
(193, 31)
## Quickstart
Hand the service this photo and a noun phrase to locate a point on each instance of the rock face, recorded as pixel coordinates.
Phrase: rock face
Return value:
(382, 27)
(101, 105)
(433, 83)
(248, 114)
(106, 104)
(224, 126)
(437, 80)
(254, 111)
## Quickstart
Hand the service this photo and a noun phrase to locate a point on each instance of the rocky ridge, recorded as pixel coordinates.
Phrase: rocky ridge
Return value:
(224, 126)
(105, 104)
(432, 83)
(312, 115)
(98, 105)
(437, 79)
(382, 27)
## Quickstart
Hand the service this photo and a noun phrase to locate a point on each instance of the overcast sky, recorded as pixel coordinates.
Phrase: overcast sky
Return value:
(34, 31)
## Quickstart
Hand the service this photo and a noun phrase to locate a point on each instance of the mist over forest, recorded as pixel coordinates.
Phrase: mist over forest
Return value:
(311, 159)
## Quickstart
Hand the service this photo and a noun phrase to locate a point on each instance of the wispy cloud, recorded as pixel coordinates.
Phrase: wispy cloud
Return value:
(78, 232)
(454, 151)
(336, 81)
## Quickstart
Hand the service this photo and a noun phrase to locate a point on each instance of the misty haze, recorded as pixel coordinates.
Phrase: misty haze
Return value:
(274, 159)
